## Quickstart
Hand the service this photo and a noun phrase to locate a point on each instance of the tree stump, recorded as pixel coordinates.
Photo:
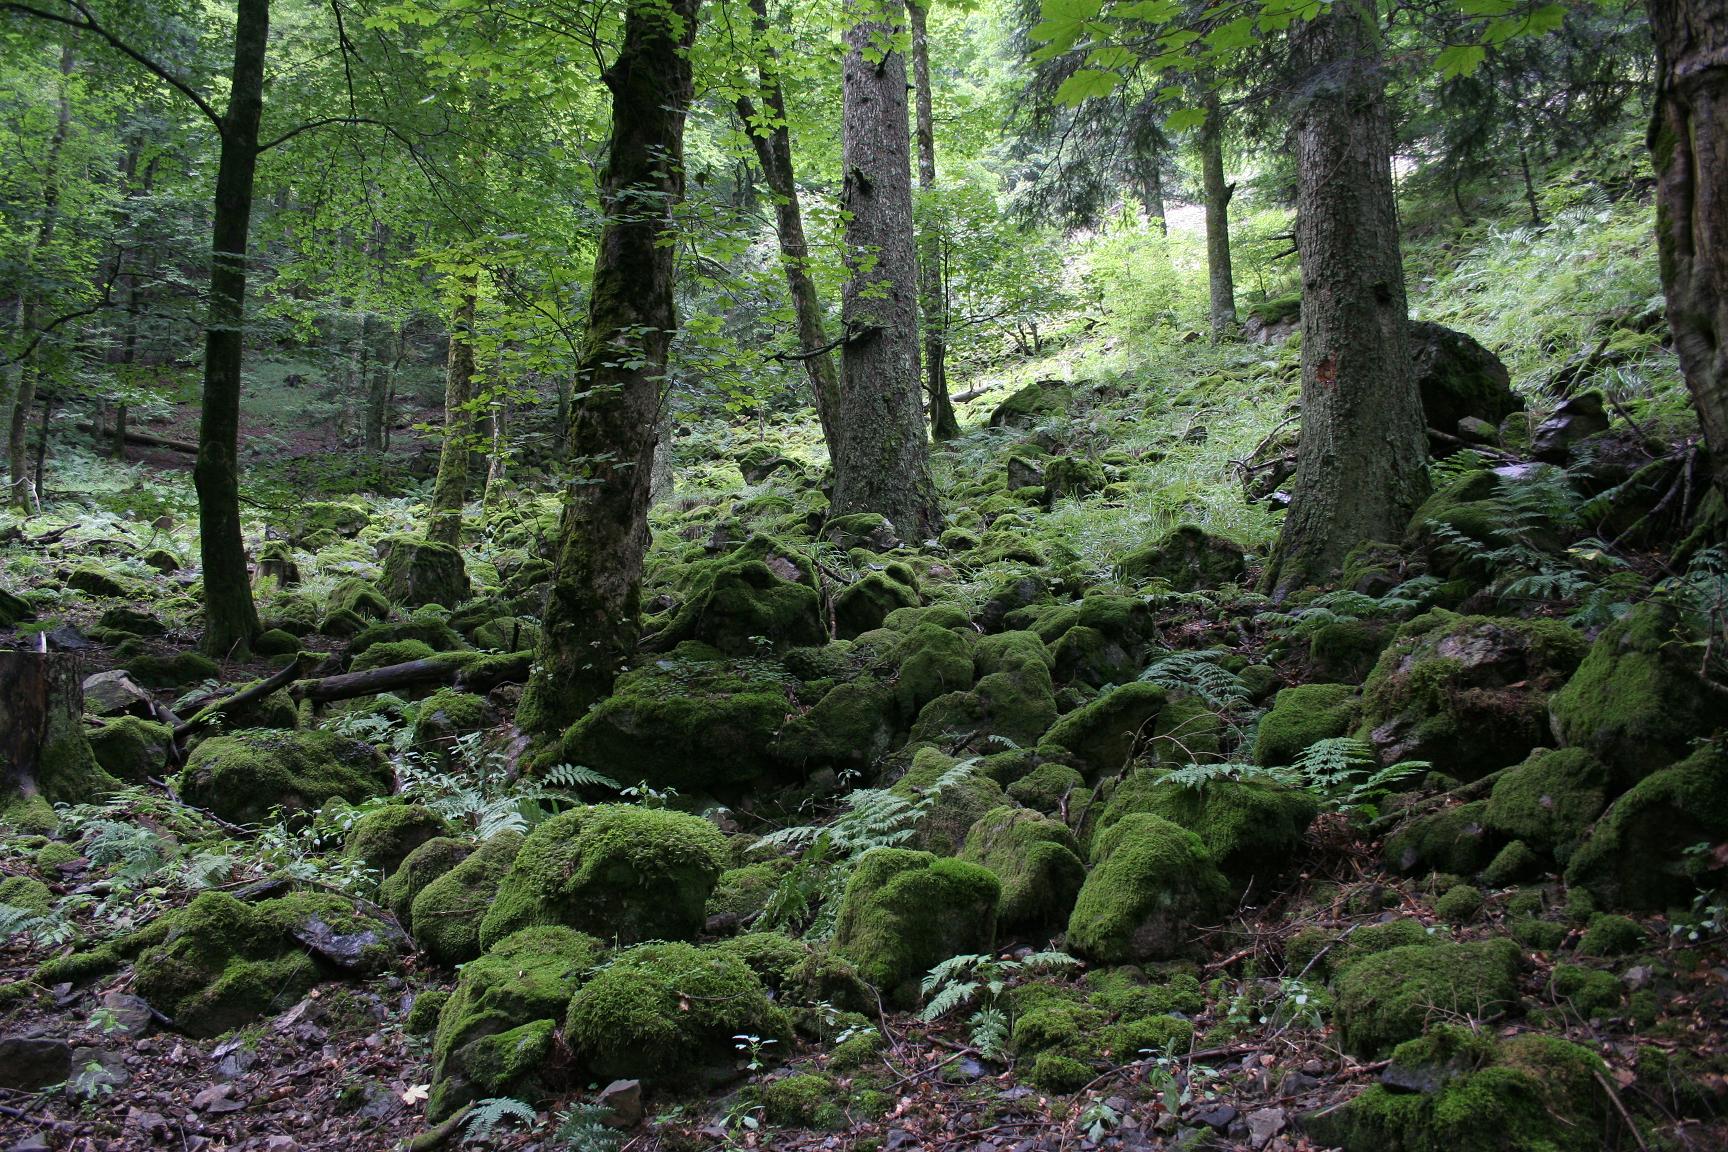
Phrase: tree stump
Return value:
(44, 755)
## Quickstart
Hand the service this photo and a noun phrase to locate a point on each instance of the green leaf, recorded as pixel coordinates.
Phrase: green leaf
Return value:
(1185, 118)
(1085, 84)
(1460, 60)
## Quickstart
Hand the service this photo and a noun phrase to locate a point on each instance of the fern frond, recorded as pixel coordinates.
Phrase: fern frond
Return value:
(577, 776)
(488, 1114)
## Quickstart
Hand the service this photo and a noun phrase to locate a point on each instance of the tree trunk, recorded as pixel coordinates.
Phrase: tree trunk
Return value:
(1152, 191)
(24, 400)
(591, 622)
(1218, 192)
(932, 294)
(884, 460)
(230, 617)
(772, 140)
(1689, 146)
(44, 755)
(1361, 457)
(498, 456)
(450, 489)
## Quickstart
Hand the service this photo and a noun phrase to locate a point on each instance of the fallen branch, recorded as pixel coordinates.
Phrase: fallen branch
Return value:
(289, 674)
(459, 669)
(145, 438)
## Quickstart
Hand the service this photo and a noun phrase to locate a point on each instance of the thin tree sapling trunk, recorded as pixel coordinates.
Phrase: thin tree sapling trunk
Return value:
(1221, 283)
(932, 294)
(450, 489)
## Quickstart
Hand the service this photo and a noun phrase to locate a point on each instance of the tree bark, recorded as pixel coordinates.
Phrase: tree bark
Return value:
(1152, 192)
(498, 455)
(591, 622)
(1689, 147)
(450, 489)
(1220, 282)
(932, 294)
(230, 617)
(772, 139)
(884, 461)
(23, 495)
(1360, 460)
(44, 755)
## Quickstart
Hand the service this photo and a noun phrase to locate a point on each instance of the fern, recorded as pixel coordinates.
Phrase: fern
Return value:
(576, 776)
(16, 921)
(959, 980)
(488, 1115)
(989, 1032)
(582, 1128)
(1198, 776)
(1326, 764)
(1198, 674)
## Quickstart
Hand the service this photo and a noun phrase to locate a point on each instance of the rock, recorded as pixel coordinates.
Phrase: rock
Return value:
(1389, 997)
(130, 1015)
(115, 693)
(1067, 476)
(1474, 431)
(1024, 472)
(1151, 883)
(36, 1143)
(218, 1099)
(1637, 855)
(96, 1072)
(1040, 398)
(763, 589)
(905, 912)
(132, 750)
(446, 913)
(1459, 379)
(1303, 715)
(244, 775)
(622, 1100)
(1577, 418)
(384, 837)
(67, 638)
(1036, 859)
(151, 1124)
(14, 609)
(354, 946)
(1217, 1117)
(1265, 1124)
(865, 603)
(166, 670)
(29, 1063)
(1188, 559)
(418, 572)
(1272, 321)
(758, 462)
(868, 530)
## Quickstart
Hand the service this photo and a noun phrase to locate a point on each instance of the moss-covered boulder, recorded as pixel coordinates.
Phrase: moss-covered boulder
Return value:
(318, 520)
(419, 571)
(131, 749)
(851, 727)
(446, 716)
(245, 775)
(1072, 476)
(1187, 559)
(165, 670)
(905, 912)
(1252, 830)
(617, 870)
(1462, 1091)
(763, 590)
(1050, 788)
(418, 869)
(1301, 716)
(384, 837)
(953, 796)
(1459, 521)
(95, 580)
(1637, 701)
(426, 628)
(27, 893)
(1013, 698)
(1638, 854)
(358, 596)
(445, 915)
(524, 979)
(1040, 398)
(704, 727)
(1550, 801)
(1151, 882)
(661, 1009)
(865, 603)
(1104, 735)
(740, 894)
(1458, 378)
(933, 660)
(1468, 693)
(1396, 995)
(1459, 840)
(1036, 859)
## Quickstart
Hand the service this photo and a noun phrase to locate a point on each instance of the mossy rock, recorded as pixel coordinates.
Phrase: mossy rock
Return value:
(1457, 1090)
(1637, 855)
(904, 912)
(1467, 693)
(1394, 996)
(384, 837)
(337, 518)
(627, 872)
(1347, 650)
(14, 610)
(1047, 787)
(276, 642)
(1458, 378)
(864, 604)
(956, 805)
(130, 620)
(762, 589)
(1104, 735)
(172, 669)
(1301, 716)
(1188, 559)
(1013, 698)
(1459, 903)
(130, 749)
(419, 868)
(445, 915)
(1036, 859)
(1636, 701)
(359, 597)
(1251, 830)
(95, 580)
(703, 727)
(1459, 840)
(1071, 476)
(933, 660)
(446, 716)
(1610, 935)
(1041, 398)
(1151, 882)
(419, 571)
(1551, 800)
(525, 978)
(803, 1100)
(868, 530)
(27, 893)
(661, 1009)
(244, 775)
(1467, 510)
(852, 726)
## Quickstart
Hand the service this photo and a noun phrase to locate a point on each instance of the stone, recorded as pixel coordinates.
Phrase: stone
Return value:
(1265, 1124)
(218, 1099)
(622, 1100)
(115, 693)
(30, 1063)
(1217, 1117)
(130, 1015)
(1577, 418)
(1459, 379)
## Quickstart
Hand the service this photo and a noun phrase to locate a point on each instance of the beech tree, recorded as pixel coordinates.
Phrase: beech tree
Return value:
(932, 295)
(883, 464)
(591, 619)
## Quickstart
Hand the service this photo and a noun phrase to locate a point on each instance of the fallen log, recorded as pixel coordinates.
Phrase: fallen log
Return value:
(289, 674)
(473, 671)
(146, 439)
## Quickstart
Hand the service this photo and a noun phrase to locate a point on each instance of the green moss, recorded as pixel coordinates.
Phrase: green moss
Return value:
(740, 894)
(99, 581)
(1372, 939)
(1104, 734)
(1586, 992)
(446, 715)
(663, 1008)
(1037, 861)
(627, 872)
(1539, 935)
(422, 1018)
(803, 1099)
(1251, 830)
(419, 572)
(1456, 839)
(1460, 903)
(1047, 787)
(418, 869)
(852, 726)
(1388, 998)
(1513, 863)
(1013, 698)
(384, 837)
(778, 960)
(243, 776)
(1346, 650)
(1551, 800)
(865, 603)
(172, 670)
(1610, 935)
(1151, 883)
(445, 915)
(130, 749)
(762, 589)
(27, 893)
(357, 597)
(933, 660)
(1301, 716)
(1058, 1074)
(1187, 559)
(905, 912)
(1637, 854)
(856, 1050)
(946, 820)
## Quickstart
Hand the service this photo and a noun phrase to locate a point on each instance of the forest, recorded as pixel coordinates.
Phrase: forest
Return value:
(898, 576)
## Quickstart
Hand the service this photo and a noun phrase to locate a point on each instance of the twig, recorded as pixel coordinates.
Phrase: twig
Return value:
(1620, 1107)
